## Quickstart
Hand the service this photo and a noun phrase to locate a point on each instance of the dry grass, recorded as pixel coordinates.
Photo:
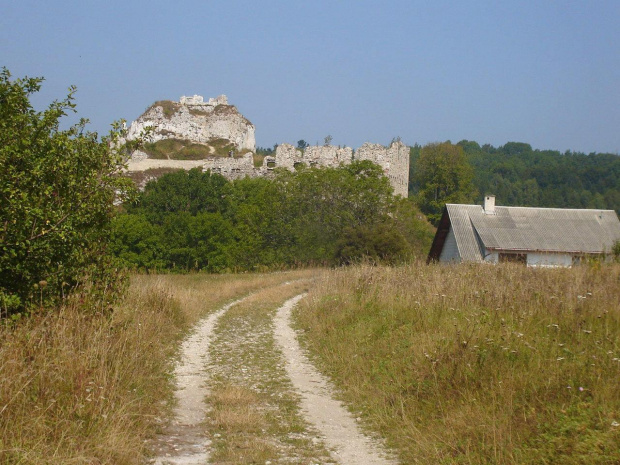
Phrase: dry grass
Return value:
(476, 364)
(82, 387)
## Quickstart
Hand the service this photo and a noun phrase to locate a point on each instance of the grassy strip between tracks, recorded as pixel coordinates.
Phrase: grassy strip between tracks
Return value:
(255, 416)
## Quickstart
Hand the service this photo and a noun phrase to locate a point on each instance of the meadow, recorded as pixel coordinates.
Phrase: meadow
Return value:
(451, 364)
(83, 386)
(475, 364)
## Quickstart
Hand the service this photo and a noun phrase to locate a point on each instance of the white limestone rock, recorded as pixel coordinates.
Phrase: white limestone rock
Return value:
(195, 120)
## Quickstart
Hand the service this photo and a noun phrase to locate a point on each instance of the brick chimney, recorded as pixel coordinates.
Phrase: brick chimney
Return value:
(489, 204)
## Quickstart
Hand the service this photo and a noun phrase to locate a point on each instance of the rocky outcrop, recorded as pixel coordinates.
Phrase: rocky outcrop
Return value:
(213, 135)
(200, 122)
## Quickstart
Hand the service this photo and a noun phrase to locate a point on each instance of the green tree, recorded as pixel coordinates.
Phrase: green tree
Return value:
(57, 189)
(443, 175)
(190, 191)
(302, 144)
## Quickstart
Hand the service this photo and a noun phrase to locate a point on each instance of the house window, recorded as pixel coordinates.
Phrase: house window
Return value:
(513, 258)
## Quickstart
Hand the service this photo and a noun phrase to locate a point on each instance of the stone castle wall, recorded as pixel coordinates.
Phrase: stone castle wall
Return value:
(201, 122)
(393, 159)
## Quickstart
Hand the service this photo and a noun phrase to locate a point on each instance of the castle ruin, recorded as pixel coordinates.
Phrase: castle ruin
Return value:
(199, 122)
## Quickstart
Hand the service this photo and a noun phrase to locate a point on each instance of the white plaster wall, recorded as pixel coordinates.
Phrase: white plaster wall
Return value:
(549, 259)
(151, 163)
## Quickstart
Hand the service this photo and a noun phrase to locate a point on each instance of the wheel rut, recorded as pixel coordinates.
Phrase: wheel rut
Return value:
(338, 427)
(248, 394)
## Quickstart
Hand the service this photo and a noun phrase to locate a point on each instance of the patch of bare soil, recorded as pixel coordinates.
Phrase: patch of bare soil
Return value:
(339, 429)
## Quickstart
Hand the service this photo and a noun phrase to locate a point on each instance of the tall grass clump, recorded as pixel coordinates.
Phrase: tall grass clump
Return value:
(476, 364)
(80, 385)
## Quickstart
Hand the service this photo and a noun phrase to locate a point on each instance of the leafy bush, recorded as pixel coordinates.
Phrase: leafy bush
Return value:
(57, 189)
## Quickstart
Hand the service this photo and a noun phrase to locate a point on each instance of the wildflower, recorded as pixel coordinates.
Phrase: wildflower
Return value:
(615, 424)
(581, 389)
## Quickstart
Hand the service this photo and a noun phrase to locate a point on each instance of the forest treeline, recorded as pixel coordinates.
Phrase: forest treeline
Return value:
(521, 176)
(194, 220)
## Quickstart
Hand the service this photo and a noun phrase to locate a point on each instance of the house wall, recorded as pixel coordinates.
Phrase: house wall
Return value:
(536, 259)
(549, 259)
(450, 251)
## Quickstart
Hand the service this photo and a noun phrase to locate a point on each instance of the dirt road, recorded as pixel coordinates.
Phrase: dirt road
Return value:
(247, 393)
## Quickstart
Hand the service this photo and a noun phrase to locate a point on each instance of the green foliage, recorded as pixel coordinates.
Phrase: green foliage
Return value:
(443, 175)
(194, 220)
(162, 149)
(57, 189)
(264, 151)
(519, 175)
(178, 149)
(615, 250)
(379, 243)
(302, 144)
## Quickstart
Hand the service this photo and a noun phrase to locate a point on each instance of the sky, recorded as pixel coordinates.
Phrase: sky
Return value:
(545, 72)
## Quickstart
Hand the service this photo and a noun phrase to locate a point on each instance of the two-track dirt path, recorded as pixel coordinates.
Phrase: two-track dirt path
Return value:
(248, 394)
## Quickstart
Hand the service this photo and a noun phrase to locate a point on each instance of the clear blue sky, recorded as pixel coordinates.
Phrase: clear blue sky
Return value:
(546, 72)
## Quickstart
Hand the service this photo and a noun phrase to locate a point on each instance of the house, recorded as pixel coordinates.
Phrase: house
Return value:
(534, 236)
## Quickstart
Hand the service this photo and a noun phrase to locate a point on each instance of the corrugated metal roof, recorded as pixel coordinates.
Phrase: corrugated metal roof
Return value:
(466, 238)
(534, 229)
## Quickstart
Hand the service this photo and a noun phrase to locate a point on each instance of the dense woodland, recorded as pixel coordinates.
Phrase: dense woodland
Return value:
(190, 220)
(519, 175)
(201, 221)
